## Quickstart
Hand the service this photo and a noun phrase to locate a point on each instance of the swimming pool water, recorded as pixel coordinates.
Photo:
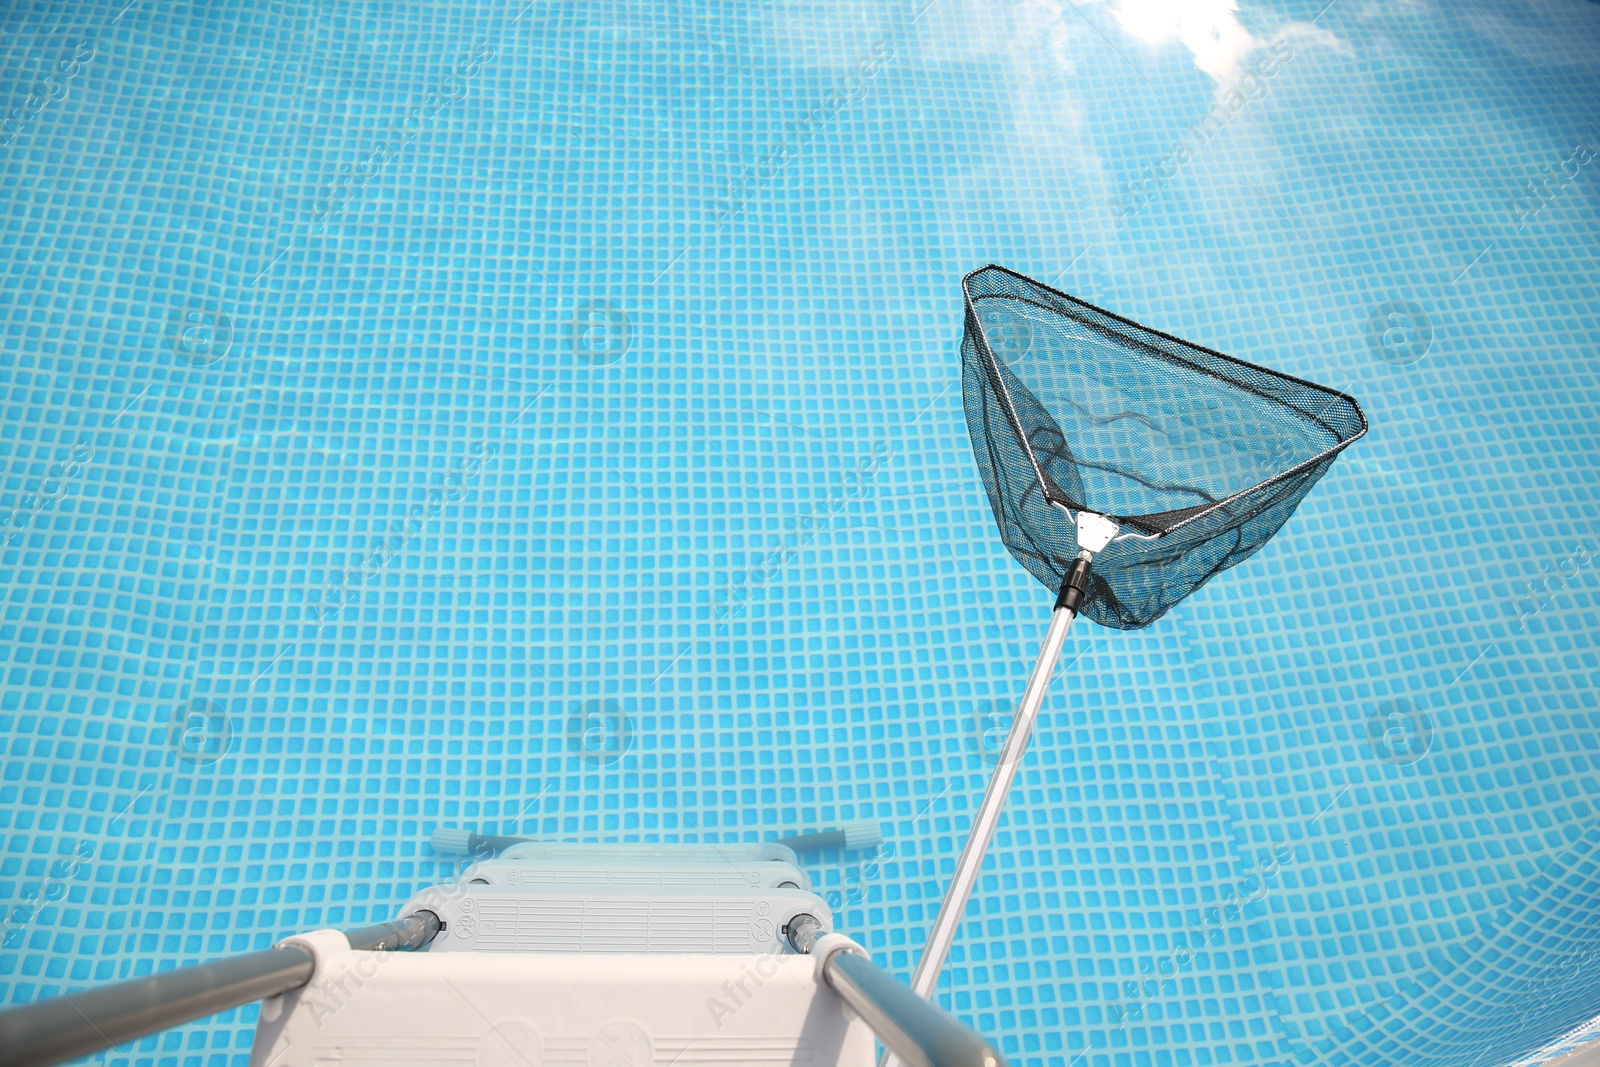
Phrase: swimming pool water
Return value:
(544, 418)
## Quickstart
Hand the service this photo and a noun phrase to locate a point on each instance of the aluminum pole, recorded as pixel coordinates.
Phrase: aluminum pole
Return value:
(954, 906)
(987, 819)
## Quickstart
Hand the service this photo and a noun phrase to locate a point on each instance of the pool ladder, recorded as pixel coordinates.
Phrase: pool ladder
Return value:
(548, 953)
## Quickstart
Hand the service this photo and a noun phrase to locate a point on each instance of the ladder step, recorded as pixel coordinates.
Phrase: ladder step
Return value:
(665, 877)
(459, 1010)
(537, 919)
(636, 854)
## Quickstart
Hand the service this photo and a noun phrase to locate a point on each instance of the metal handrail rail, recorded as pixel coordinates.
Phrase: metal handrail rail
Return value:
(918, 1033)
(77, 1024)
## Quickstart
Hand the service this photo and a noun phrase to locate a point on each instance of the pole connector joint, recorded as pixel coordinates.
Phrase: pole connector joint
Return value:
(1075, 587)
(1094, 534)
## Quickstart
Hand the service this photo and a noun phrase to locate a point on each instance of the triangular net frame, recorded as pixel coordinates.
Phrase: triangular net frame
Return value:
(1199, 458)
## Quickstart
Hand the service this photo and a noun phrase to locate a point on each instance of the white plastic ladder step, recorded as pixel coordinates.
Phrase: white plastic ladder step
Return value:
(577, 853)
(466, 1010)
(674, 877)
(490, 918)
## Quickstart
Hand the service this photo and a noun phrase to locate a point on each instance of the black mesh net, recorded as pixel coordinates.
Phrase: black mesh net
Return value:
(1200, 458)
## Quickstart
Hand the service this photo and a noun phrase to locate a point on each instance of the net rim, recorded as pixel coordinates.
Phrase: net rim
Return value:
(1052, 492)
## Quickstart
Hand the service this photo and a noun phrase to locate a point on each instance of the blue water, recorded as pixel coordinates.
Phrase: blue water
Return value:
(586, 458)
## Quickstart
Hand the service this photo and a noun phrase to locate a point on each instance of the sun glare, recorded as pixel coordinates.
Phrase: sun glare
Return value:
(1209, 28)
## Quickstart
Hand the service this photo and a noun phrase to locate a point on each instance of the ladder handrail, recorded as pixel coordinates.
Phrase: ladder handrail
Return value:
(919, 1033)
(77, 1024)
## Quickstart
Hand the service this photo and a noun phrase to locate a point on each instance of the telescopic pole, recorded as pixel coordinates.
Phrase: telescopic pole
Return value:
(1094, 533)
(987, 820)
